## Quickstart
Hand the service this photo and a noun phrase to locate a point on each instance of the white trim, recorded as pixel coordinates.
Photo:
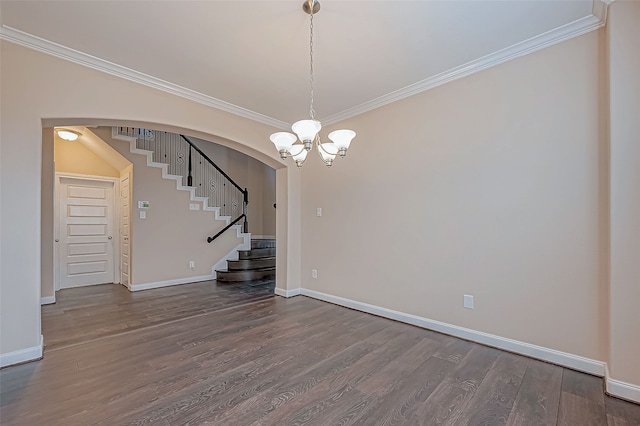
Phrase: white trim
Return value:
(564, 359)
(600, 9)
(288, 293)
(621, 389)
(541, 41)
(48, 300)
(166, 175)
(86, 177)
(59, 51)
(129, 177)
(23, 355)
(177, 281)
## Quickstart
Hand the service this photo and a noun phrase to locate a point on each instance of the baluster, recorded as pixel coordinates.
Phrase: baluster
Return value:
(189, 177)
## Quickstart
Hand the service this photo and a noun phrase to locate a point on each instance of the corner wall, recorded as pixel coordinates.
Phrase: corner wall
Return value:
(623, 33)
(47, 284)
(487, 186)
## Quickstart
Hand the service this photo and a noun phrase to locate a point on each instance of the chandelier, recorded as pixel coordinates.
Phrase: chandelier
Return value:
(307, 131)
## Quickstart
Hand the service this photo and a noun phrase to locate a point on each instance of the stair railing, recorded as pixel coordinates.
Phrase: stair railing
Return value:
(185, 159)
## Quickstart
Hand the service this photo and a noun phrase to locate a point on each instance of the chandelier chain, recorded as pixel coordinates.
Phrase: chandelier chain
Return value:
(312, 112)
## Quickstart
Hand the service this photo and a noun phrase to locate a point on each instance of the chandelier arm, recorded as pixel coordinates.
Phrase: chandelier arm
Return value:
(319, 145)
(291, 153)
(325, 162)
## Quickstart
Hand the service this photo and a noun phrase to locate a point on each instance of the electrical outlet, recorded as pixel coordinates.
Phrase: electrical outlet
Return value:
(314, 273)
(468, 301)
(319, 211)
(194, 206)
(192, 264)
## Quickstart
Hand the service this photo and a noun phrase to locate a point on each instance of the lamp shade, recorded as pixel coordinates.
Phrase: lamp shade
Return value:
(306, 129)
(342, 138)
(283, 140)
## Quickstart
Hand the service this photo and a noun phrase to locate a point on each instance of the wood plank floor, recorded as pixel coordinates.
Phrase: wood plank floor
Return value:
(201, 354)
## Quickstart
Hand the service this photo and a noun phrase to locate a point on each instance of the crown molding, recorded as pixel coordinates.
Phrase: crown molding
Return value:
(600, 9)
(54, 49)
(555, 36)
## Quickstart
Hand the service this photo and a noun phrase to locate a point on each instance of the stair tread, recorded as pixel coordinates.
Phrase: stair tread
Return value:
(255, 258)
(246, 275)
(268, 268)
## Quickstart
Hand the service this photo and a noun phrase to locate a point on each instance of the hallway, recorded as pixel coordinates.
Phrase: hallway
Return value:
(85, 314)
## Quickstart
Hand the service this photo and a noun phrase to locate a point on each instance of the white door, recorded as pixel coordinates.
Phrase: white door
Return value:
(125, 260)
(86, 232)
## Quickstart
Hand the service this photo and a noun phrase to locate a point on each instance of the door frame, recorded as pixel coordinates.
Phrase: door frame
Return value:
(128, 173)
(56, 222)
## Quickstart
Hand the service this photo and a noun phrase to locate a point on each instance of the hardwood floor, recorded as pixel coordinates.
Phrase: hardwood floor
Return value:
(236, 355)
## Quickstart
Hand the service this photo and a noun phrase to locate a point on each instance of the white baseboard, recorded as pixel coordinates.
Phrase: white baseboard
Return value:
(48, 300)
(23, 355)
(287, 293)
(621, 389)
(564, 359)
(177, 281)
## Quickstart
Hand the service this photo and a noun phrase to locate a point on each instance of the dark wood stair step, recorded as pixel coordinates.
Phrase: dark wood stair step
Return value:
(256, 253)
(262, 243)
(248, 264)
(253, 274)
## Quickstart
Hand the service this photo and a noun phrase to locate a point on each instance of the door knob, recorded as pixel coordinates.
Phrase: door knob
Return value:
(110, 237)
(57, 240)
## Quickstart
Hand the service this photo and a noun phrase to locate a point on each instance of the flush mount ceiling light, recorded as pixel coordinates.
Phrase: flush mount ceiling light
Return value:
(67, 135)
(307, 130)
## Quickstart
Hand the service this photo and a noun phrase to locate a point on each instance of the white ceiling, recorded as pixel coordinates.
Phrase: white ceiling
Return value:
(252, 57)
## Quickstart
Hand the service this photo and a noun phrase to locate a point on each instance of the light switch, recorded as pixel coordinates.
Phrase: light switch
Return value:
(468, 301)
(194, 206)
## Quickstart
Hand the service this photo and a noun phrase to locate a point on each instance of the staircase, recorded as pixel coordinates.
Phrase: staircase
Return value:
(182, 161)
(255, 264)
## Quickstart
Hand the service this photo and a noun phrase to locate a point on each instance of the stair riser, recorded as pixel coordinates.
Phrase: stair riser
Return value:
(233, 276)
(260, 244)
(256, 253)
(242, 265)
